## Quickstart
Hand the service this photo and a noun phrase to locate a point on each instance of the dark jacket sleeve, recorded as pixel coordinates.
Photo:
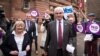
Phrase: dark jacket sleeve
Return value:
(26, 41)
(71, 34)
(47, 38)
(4, 47)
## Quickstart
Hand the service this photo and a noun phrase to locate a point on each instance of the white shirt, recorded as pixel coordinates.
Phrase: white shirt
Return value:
(36, 25)
(19, 40)
(57, 26)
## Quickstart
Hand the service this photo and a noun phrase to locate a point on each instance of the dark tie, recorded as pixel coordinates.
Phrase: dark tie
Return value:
(59, 35)
(28, 24)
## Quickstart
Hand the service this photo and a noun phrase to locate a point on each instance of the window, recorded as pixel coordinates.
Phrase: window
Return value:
(26, 4)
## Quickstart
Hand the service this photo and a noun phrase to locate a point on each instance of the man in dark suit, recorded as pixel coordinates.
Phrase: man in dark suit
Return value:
(28, 21)
(30, 28)
(58, 35)
(34, 31)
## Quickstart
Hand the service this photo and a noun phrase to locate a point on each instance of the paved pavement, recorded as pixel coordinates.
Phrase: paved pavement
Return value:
(80, 44)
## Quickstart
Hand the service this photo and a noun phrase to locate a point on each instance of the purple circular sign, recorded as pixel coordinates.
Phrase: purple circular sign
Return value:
(94, 28)
(79, 27)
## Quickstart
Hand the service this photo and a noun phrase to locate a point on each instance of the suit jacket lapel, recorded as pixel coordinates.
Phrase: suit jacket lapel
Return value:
(55, 30)
(64, 29)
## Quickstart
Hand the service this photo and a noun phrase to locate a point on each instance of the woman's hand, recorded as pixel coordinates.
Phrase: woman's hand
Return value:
(27, 47)
(14, 52)
(45, 53)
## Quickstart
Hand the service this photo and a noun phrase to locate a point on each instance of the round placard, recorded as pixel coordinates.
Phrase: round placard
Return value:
(94, 28)
(34, 13)
(79, 28)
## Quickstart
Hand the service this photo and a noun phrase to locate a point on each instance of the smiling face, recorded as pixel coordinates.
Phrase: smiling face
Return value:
(19, 27)
(58, 13)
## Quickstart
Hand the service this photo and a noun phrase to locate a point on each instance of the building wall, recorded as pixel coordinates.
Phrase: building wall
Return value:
(17, 9)
(6, 7)
(42, 6)
(93, 6)
(13, 8)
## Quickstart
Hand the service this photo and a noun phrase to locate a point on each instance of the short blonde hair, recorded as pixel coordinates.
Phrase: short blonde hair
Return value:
(18, 22)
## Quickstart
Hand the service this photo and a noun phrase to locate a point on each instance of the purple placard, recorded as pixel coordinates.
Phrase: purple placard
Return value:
(93, 28)
(34, 12)
(80, 27)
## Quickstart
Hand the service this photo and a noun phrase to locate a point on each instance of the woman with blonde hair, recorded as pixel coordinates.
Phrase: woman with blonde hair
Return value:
(17, 43)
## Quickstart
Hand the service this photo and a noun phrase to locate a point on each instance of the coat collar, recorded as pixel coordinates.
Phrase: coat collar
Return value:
(22, 33)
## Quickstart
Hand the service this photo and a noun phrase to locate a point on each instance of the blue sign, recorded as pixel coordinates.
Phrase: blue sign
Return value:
(68, 10)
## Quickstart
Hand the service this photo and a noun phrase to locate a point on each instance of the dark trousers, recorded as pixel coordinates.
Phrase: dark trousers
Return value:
(36, 43)
(91, 48)
(59, 52)
(30, 47)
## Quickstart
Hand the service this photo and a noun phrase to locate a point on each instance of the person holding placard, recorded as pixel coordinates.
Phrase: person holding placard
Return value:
(91, 39)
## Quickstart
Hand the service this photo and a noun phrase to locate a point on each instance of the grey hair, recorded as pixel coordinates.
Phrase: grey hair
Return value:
(59, 9)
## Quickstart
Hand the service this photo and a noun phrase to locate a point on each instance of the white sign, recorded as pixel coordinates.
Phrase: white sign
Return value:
(67, 10)
(70, 48)
(22, 53)
(88, 37)
(34, 13)
(94, 28)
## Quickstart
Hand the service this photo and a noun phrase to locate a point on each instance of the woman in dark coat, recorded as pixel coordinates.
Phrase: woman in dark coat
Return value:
(17, 42)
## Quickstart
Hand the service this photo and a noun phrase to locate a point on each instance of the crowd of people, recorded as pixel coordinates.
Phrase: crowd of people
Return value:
(58, 35)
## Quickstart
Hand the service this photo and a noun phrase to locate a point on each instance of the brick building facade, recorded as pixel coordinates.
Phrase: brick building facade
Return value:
(93, 6)
(18, 8)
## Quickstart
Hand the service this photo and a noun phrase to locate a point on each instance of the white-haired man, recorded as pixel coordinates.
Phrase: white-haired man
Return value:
(58, 35)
